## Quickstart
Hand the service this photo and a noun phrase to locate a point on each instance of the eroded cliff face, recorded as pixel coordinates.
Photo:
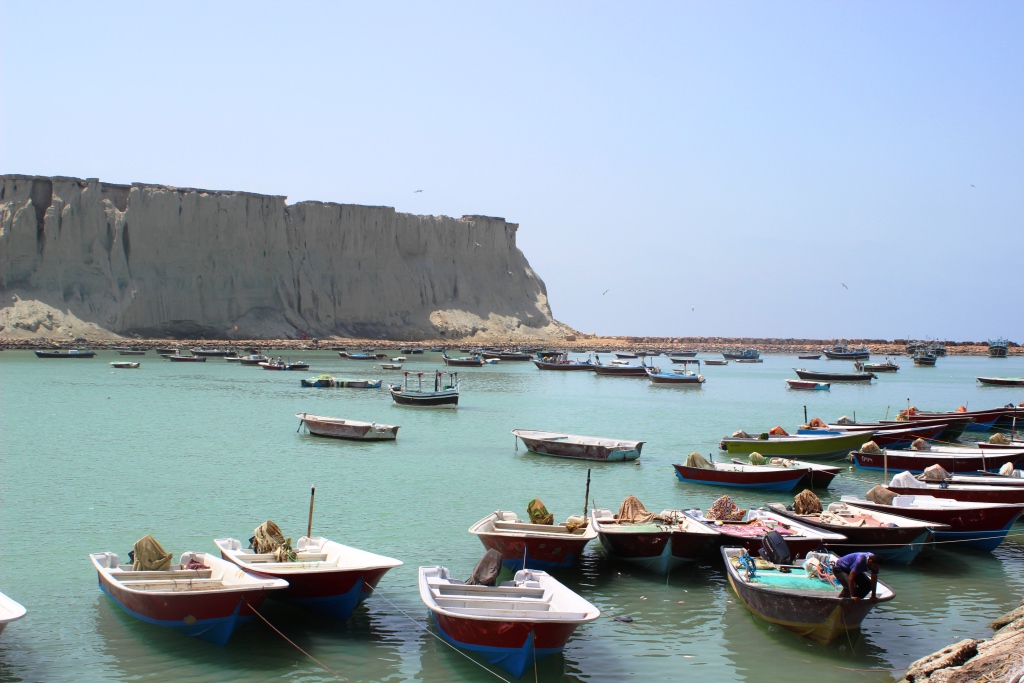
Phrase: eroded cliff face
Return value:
(154, 260)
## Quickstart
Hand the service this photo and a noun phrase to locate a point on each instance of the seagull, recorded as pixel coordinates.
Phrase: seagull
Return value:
(844, 286)
(693, 308)
(605, 292)
(417, 191)
(972, 184)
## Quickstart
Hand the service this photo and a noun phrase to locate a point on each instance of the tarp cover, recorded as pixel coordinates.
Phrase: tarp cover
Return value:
(934, 473)
(487, 570)
(806, 503)
(725, 510)
(538, 513)
(150, 556)
(881, 495)
(906, 480)
(632, 511)
(697, 460)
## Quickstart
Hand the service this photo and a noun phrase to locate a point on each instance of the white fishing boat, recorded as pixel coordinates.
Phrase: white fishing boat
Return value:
(124, 365)
(579, 447)
(539, 546)
(9, 611)
(354, 430)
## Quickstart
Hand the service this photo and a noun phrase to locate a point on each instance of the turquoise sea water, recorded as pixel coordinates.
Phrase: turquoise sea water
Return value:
(94, 458)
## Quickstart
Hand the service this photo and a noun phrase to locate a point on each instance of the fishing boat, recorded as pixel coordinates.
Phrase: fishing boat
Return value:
(325, 577)
(816, 376)
(810, 357)
(688, 353)
(417, 351)
(887, 438)
(808, 385)
(9, 611)
(950, 458)
(888, 366)
(579, 447)
(615, 370)
(560, 361)
(625, 355)
(443, 396)
(904, 483)
(818, 476)
(347, 429)
(677, 377)
(1002, 381)
(178, 358)
(357, 356)
(747, 533)
(399, 359)
(131, 352)
(539, 546)
(712, 361)
(740, 354)
(208, 602)
(810, 447)
(514, 356)
(512, 624)
(982, 420)
(390, 366)
(749, 360)
(464, 361)
(998, 348)
(981, 526)
(742, 476)
(840, 351)
(216, 353)
(659, 544)
(254, 359)
(326, 381)
(125, 365)
(893, 538)
(805, 605)
(283, 366)
(72, 353)
(924, 359)
(955, 424)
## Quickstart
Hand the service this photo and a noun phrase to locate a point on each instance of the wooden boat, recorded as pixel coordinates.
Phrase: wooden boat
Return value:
(998, 348)
(517, 356)
(840, 351)
(924, 359)
(178, 358)
(983, 420)
(72, 353)
(810, 357)
(955, 424)
(677, 377)
(744, 354)
(888, 438)
(818, 476)
(981, 526)
(131, 352)
(804, 605)
(540, 546)
(417, 351)
(620, 370)
(513, 624)
(390, 366)
(326, 577)
(125, 365)
(216, 353)
(808, 385)
(357, 356)
(9, 611)
(800, 537)
(950, 458)
(579, 447)
(205, 603)
(712, 361)
(463, 362)
(887, 366)
(347, 429)
(283, 366)
(1002, 381)
(441, 397)
(326, 381)
(166, 351)
(893, 538)
(559, 360)
(803, 373)
(749, 360)
(625, 355)
(254, 359)
(689, 353)
(743, 476)
(660, 545)
(976, 492)
(810, 447)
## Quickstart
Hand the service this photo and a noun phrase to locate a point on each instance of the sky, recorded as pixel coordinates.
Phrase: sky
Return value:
(769, 169)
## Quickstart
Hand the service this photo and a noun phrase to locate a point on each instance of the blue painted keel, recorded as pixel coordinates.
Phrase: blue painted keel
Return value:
(216, 631)
(513, 660)
(336, 606)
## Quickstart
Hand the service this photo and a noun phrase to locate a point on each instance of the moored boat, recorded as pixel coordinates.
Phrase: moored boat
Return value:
(284, 366)
(740, 354)
(357, 356)
(982, 420)
(253, 359)
(807, 385)
(390, 366)
(888, 366)
(72, 353)
(803, 373)
(806, 605)
(125, 365)
(978, 492)
(348, 429)
(178, 358)
(697, 470)
(10, 611)
(215, 353)
(324, 576)
(677, 377)
(925, 359)
(443, 396)
(658, 543)
(579, 447)
(327, 381)
(513, 624)
(688, 353)
(464, 361)
(840, 351)
(712, 361)
(748, 532)
(998, 348)
(615, 369)
(818, 476)
(810, 447)
(1002, 381)
(539, 546)
(810, 357)
(559, 360)
(208, 601)
(950, 458)
(131, 352)
(887, 438)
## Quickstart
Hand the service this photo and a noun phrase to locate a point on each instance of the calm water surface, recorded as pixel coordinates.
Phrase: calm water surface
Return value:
(92, 459)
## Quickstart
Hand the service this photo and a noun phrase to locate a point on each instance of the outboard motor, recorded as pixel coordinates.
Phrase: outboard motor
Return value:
(774, 548)
(487, 570)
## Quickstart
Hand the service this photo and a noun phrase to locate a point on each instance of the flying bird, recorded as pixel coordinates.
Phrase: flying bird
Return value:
(605, 292)
(844, 286)
(972, 184)
(417, 191)
(693, 308)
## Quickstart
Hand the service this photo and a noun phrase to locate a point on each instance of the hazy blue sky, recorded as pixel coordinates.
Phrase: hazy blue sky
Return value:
(719, 167)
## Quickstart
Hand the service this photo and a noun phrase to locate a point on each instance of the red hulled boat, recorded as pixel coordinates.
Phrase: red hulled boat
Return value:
(951, 459)
(658, 544)
(800, 537)
(540, 546)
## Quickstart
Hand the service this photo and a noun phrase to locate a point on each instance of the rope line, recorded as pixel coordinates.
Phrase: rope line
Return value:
(426, 630)
(292, 643)
(900, 545)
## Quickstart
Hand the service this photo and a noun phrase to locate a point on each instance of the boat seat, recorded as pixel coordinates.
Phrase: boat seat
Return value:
(269, 557)
(449, 590)
(538, 616)
(178, 574)
(526, 526)
(172, 585)
(491, 604)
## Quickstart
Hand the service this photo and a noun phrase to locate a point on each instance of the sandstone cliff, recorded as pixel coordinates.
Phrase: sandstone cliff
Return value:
(154, 260)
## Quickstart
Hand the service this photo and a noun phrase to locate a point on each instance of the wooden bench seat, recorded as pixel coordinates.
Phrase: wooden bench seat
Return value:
(539, 616)
(175, 586)
(159, 575)
(448, 590)
(258, 558)
(491, 604)
(536, 528)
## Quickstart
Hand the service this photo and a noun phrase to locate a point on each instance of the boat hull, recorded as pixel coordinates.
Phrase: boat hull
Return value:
(537, 552)
(833, 376)
(565, 367)
(656, 551)
(1002, 381)
(581, 451)
(64, 354)
(806, 448)
(352, 432)
(425, 399)
(780, 479)
(1004, 495)
(621, 370)
(915, 462)
(981, 528)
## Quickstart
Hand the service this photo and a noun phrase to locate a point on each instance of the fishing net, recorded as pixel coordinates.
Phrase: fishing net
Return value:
(757, 459)
(806, 503)
(538, 513)
(777, 431)
(725, 510)
(881, 495)
(150, 556)
(920, 445)
(845, 420)
(871, 447)
(633, 511)
(267, 538)
(906, 480)
(999, 438)
(782, 462)
(961, 409)
(905, 415)
(935, 473)
(1006, 470)
(817, 423)
(697, 460)
(575, 522)
(740, 434)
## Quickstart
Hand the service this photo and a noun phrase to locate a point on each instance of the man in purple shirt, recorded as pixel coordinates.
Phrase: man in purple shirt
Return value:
(852, 571)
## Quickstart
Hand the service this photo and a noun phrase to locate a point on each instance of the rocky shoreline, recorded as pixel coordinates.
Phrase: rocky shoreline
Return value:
(999, 659)
(584, 344)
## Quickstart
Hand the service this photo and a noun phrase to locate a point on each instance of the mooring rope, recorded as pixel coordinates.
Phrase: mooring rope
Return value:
(292, 643)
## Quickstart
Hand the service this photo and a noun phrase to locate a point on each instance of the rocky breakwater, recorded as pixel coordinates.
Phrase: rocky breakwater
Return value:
(166, 261)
